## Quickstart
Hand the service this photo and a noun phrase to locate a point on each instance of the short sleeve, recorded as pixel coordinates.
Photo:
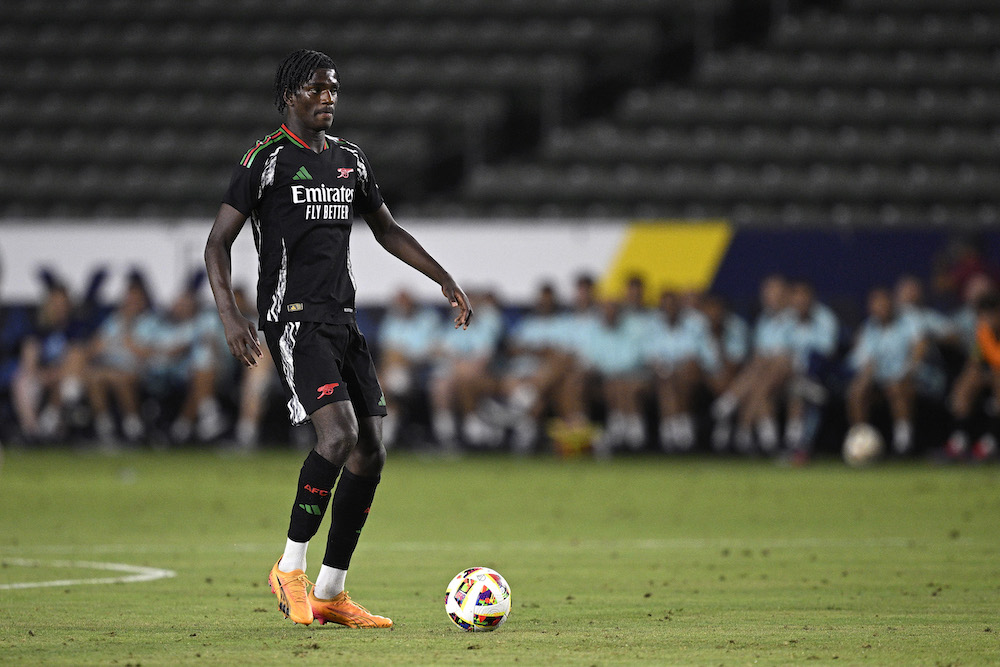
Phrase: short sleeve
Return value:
(862, 352)
(367, 197)
(240, 195)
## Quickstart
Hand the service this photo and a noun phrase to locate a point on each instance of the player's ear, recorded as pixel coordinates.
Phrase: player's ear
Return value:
(289, 97)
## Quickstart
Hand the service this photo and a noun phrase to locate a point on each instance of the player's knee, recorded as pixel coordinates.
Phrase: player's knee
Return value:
(368, 458)
(336, 446)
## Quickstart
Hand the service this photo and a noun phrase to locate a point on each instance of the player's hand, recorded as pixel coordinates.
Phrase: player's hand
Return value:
(458, 299)
(241, 336)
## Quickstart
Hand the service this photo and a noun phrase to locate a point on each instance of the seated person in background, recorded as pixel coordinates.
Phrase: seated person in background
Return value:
(463, 376)
(15, 329)
(255, 382)
(118, 354)
(966, 319)
(963, 261)
(585, 310)
(940, 331)
(729, 336)
(910, 303)
(50, 369)
(538, 362)
(572, 431)
(679, 349)
(752, 391)
(407, 337)
(814, 336)
(886, 356)
(981, 374)
(610, 353)
(635, 312)
(184, 357)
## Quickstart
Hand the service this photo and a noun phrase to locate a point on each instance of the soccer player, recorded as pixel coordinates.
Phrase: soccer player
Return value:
(814, 335)
(752, 391)
(886, 356)
(301, 188)
(981, 374)
(678, 346)
(408, 336)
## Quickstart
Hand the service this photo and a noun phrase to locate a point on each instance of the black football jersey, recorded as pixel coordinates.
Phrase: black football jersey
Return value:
(301, 206)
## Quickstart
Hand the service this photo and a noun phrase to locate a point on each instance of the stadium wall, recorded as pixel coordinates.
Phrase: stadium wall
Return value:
(509, 257)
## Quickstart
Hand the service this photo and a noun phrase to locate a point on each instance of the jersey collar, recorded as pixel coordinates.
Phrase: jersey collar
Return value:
(298, 142)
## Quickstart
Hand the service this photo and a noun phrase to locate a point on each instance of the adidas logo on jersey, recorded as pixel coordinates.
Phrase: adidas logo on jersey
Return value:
(302, 175)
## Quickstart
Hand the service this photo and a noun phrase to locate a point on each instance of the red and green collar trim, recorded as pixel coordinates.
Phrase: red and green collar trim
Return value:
(270, 139)
(299, 142)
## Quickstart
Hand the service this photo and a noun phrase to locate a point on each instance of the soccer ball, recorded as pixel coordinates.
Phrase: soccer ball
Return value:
(862, 445)
(477, 600)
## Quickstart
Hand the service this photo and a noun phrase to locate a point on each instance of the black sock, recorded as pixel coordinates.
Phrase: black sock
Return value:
(351, 504)
(312, 497)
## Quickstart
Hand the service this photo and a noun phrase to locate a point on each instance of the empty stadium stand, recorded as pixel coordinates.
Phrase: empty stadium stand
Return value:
(849, 112)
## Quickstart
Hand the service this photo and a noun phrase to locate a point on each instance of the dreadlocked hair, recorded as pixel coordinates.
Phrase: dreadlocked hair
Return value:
(295, 70)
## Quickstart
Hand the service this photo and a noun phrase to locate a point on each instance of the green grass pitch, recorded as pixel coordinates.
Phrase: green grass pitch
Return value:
(638, 561)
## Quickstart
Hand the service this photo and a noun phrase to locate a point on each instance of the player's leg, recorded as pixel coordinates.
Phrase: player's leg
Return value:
(858, 398)
(125, 386)
(572, 432)
(352, 500)
(753, 408)
(612, 390)
(399, 378)
(336, 432)
(443, 392)
(26, 389)
(98, 384)
(687, 379)
(967, 386)
(474, 381)
(254, 385)
(306, 357)
(779, 373)
(732, 401)
(901, 395)
(739, 389)
(631, 408)
(986, 446)
(667, 406)
(352, 503)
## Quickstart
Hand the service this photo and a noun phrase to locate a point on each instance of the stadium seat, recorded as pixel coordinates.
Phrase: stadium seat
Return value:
(864, 110)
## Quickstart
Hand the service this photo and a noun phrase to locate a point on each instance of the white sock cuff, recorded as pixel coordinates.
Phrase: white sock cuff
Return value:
(294, 556)
(329, 583)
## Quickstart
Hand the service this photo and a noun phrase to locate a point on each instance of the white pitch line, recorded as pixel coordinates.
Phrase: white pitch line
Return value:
(137, 573)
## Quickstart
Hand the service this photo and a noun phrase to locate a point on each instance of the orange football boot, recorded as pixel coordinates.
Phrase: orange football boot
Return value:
(343, 610)
(290, 587)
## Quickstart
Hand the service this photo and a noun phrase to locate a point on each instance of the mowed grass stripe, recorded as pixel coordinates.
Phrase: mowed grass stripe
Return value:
(544, 545)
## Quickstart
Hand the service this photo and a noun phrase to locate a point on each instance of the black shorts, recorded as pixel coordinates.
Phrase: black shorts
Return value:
(324, 363)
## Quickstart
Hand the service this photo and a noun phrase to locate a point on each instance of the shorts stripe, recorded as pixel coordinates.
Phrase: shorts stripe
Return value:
(296, 412)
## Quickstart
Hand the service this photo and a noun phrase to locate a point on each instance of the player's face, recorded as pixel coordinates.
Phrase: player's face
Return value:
(880, 305)
(774, 294)
(635, 293)
(670, 304)
(546, 302)
(313, 105)
(909, 292)
(802, 299)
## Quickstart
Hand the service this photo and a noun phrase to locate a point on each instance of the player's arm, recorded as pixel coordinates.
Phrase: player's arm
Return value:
(241, 333)
(400, 243)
